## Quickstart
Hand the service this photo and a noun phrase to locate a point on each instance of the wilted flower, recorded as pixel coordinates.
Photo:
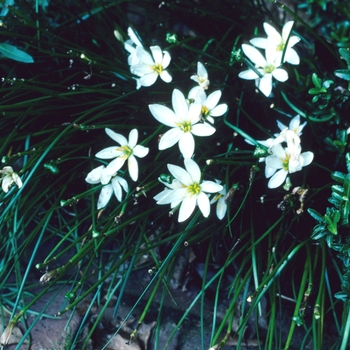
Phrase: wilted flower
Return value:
(192, 191)
(284, 161)
(210, 107)
(279, 42)
(221, 205)
(268, 67)
(184, 122)
(150, 67)
(127, 150)
(117, 183)
(8, 177)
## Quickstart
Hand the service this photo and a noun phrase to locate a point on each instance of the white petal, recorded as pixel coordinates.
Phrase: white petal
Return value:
(166, 59)
(269, 171)
(105, 177)
(203, 204)
(105, 196)
(221, 208)
(133, 136)
(193, 169)
(272, 32)
(187, 207)
(194, 113)
(213, 99)
(115, 165)
(148, 79)
(157, 54)
(259, 42)
(211, 187)
(265, 84)
(94, 176)
(17, 180)
(171, 137)
(140, 151)
(273, 162)
(254, 55)
(307, 158)
(203, 129)
(219, 110)
(133, 168)
(119, 138)
(117, 189)
(287, 28)
(280, 74)
(180, 174)
(172, 196)
(6, 183)
(292, 57)
(144, 56)
(277, 179)
(165, 76)
(109, 153)
(201, 70)
(248, 74)
(163, 114)
(186, 145)
(141, 69)
(180, 105)
(134, 38)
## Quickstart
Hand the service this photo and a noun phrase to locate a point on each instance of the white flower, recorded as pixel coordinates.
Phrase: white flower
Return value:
(191, 193)
(284, 161)
(149, 68)
(127, 150)
(201, 78)
(131, 45)
(209, 104)
(99, 175)
(221, 205)
(268, 68)
(8, 177)
(280, 42)
(183, 122)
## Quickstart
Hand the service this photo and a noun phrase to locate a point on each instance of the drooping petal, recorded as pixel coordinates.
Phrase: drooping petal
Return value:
(186, 145)
(117, 189)
(94, 176)
(180, 105)
(187, 207)
(203, 129)
(133, 168)
(6, 183)
(277, 179)
(105, 196)
(193, 170)
(105, 178)
(17, 180)
(122, 182)
(203, 204)
(165, 76)
(169, 139)
(119, 138)
(221, 208)
(163, 114)
(133, 137)
(180, 174)
(140, 151)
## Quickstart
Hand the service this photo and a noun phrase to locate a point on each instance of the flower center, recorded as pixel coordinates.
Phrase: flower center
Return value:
(194, 189)
(280, 47)
(158, 68)
(269, 68)
(285, 162)
(205, 111)
(185, 126)
(127, 151)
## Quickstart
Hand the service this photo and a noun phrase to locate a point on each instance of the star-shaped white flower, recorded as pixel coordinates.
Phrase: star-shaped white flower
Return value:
(210, 107)
(151, 66)
(192, 193)
(267, 67)
(184, 121)
(284, 161)
(280, 41)
(201, 78)
(221, 206)
(117, 183)
(127, 150)
(9, 177)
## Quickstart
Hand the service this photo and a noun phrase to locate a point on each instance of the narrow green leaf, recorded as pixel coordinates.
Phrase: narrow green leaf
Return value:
(343, 74)
(316, 215)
